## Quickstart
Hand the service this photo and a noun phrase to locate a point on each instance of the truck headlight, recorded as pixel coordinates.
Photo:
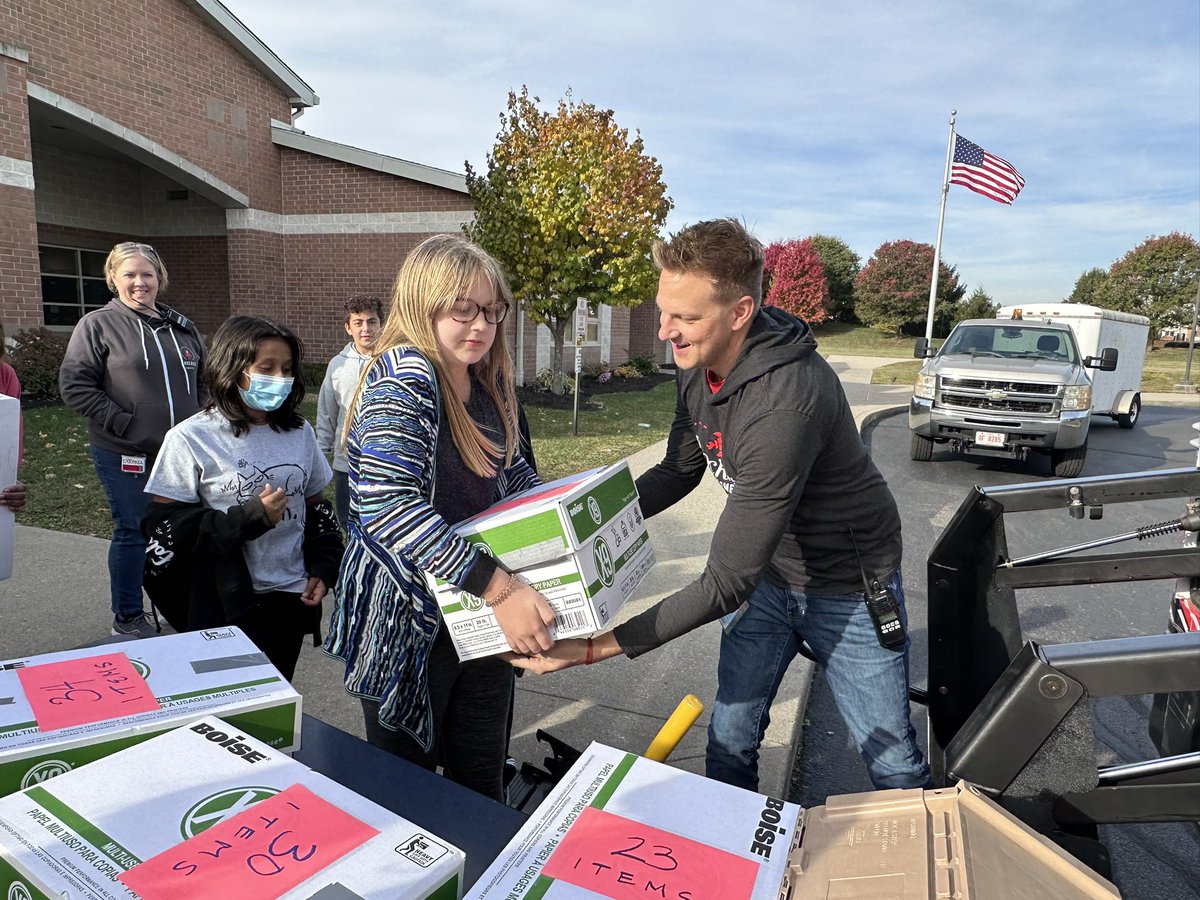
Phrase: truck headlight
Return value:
(1077, 396)
(925, 387)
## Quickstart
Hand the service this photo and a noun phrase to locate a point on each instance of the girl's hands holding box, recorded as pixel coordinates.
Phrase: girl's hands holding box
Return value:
(522, 613)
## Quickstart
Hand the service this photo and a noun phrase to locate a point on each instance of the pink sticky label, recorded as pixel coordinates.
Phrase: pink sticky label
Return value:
(619, 858)
(79, 691)
(260, 853)
(532, 496)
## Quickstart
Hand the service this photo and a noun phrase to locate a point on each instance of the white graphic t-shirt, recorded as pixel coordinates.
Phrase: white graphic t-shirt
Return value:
(201, 460)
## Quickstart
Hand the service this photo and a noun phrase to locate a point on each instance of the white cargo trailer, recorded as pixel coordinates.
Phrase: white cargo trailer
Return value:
(1116, 394)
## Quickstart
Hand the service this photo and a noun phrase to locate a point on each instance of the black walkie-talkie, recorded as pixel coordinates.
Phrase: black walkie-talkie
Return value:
(883, 607)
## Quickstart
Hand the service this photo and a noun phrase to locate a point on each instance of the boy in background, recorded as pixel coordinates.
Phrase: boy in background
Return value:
(363, 322)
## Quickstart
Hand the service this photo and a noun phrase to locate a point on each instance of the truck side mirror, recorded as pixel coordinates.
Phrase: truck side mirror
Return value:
(1105, 362)
(921, 349)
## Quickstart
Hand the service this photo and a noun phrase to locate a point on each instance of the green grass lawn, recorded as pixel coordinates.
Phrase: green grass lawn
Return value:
(839, 339)
(64, 494)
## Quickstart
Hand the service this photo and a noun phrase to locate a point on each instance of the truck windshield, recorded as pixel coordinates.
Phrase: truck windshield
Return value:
(1012, 341)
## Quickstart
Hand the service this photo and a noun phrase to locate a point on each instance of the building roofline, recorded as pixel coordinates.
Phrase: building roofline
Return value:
(287, 136)
(133, 144)
(262, 57)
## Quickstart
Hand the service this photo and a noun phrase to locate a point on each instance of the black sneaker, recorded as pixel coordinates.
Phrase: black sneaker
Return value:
(139, 626)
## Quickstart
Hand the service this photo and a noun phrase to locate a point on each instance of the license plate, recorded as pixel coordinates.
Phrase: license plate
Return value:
(990, 438)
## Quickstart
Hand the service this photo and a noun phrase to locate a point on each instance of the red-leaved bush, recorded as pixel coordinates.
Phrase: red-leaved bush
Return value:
(796, 280)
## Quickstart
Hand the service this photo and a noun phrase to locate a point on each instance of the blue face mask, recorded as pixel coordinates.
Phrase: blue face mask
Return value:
(266, 392)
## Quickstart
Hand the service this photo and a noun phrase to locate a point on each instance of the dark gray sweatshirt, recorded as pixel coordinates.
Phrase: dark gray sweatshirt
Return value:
(780, 438)
(132, 376)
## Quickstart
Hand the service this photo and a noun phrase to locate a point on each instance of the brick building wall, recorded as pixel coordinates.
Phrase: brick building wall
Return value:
(260, 227)
(316, 185)
(167, 75)
(20, 287)
(76, 190)
(643, 332)
(197, 268)
(347, 230)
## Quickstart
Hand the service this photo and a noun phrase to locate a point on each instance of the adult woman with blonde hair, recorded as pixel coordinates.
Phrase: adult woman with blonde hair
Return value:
(131, 370)
(433, 439)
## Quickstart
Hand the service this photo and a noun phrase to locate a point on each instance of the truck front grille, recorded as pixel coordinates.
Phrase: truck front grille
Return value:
(1012, 387)
(1008, 404)
(1000, 396)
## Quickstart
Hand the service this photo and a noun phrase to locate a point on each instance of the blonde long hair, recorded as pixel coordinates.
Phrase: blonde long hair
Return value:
(436, 273)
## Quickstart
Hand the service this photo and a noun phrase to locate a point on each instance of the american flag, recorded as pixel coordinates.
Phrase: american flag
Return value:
(984, 173)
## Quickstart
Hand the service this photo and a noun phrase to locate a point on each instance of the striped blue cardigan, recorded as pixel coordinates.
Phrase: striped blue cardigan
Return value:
(384, 618)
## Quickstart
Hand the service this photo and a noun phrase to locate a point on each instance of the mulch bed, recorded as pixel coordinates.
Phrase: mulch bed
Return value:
(589, 389)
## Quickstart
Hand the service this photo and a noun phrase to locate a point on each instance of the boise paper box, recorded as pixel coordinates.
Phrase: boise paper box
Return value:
(207, 811)
(619, 825)
(914, 844)
(214, 672)
(580, 541)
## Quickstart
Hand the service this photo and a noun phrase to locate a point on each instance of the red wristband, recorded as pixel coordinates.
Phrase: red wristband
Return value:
(589, 660)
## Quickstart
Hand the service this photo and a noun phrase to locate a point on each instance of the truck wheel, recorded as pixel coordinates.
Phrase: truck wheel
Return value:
(1068, 463)
(1127, 420)
(922, 448)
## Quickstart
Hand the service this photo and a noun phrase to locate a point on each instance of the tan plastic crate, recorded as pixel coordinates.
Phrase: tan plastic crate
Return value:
(949, 844)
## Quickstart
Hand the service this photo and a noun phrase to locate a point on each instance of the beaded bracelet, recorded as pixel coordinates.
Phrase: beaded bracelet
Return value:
(503, 595)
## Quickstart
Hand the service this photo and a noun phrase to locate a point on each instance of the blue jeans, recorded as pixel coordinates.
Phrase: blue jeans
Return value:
(126, 554)
(869, 683)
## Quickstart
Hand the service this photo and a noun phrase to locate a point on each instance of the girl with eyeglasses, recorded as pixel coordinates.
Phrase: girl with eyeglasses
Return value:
(434, 438)
(239, 532)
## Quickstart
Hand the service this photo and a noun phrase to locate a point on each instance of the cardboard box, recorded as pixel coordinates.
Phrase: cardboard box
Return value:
(677, 830)
(949, 843)
(679, 835)
(75, 835)
(580, 541)
(215, 672)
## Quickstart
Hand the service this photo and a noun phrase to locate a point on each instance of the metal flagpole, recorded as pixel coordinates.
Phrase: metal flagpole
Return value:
(1187, 372)
(937, 248)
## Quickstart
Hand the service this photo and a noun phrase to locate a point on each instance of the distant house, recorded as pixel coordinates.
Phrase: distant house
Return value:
(174, 125)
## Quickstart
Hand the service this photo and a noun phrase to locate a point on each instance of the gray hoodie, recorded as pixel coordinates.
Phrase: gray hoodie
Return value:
(779, 437)
(132, 376)
(337, 393)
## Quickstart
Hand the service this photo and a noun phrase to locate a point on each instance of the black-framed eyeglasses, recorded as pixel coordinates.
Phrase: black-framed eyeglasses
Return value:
(465, 311)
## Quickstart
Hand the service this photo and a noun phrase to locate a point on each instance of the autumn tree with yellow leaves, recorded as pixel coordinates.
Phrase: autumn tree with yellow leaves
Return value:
(569, 205)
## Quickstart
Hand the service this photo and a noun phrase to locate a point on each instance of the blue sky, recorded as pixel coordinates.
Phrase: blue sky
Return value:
(802, 118)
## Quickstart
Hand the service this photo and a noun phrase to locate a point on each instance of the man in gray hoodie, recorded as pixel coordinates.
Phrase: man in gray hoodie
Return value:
(131, 369)
(808, 517)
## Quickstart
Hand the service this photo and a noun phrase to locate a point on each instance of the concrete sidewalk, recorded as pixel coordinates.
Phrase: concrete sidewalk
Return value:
(58, 598)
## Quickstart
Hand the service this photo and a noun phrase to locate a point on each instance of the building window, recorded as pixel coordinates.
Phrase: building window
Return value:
(72, 283)
(592, 328)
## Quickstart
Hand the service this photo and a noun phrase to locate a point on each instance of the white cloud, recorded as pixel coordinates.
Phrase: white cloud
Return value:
(804, 118)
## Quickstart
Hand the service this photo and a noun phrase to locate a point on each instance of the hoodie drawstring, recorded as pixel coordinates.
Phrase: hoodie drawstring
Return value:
(166, 375)
(187, 379)
(142, 334)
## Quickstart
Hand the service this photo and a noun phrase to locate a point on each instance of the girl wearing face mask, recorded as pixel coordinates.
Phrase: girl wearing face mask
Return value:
(238, 532)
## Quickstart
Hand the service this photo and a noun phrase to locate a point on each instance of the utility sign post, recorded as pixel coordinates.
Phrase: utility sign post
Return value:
(581, 315)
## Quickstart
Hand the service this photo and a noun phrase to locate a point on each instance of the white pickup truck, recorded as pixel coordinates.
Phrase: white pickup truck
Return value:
(1020, 383)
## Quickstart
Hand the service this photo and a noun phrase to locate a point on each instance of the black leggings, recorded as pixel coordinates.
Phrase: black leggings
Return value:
(278, 624)
(470, 703)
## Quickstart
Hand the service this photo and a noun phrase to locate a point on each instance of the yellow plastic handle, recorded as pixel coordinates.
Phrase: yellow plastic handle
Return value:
(672, 732)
